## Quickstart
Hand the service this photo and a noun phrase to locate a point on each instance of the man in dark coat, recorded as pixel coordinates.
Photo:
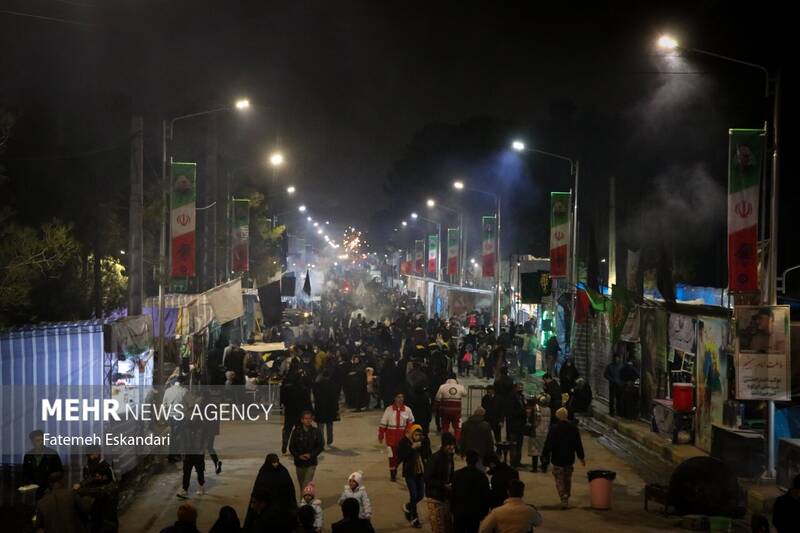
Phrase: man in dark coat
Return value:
(419, 401)
(350, 522)
(568, 376)
(306, 443)
(60, 508)
(356, 385)
(476, 434)
(391, 377)
(438, 483)
(470, 495)
(39, 463)
(516, 419)
(295, 396)
(326, 403)
(489, 404)
(98, 483)
(265, 515)
(614, 384)
(562, 445)
(553, 390)
(501, 475)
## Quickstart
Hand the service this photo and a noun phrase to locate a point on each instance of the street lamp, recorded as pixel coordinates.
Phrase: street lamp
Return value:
(414, 216)
(518, 145)
(167, 133)
(290, 189)
(431, 202)
(772, 276)
(459, 185)
(316, 224)
(276, 159)
(404, 223)
(302, 208)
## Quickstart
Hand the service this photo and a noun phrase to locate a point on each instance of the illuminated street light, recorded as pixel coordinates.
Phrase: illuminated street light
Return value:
(431, 202)
(316, 224)
(242, 104)
(518, 145)
(319, 231)
(276, 159)
(309, 219)
(667, 42)
(458, 185)
(327, 222)
(404, 223)
(302, 209)
(472, 261)
(290, 189)
(414, 216)
(122, 252)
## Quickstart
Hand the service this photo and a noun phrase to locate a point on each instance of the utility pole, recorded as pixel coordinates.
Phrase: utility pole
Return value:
(136, 206)
(612, 233)
(209, 197)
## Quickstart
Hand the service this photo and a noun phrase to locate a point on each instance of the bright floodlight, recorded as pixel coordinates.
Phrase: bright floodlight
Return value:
(319, 231)
(414, 216)
(242, 104)
(458, 185)
(276, 159)
(472, 261)
(290, 189)
(302, 209)
(122, 252)
(519, 146)
(327, 222)
(404, 223)
(316, 224)
(667, 42)
(309, 219)
(431, 202)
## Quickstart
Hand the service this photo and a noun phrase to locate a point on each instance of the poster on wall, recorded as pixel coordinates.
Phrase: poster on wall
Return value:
(762, 353)
(654, 355)
(711, 377)
(681, 332)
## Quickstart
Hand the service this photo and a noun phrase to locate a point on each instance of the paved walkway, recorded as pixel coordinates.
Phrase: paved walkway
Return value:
(243, 448)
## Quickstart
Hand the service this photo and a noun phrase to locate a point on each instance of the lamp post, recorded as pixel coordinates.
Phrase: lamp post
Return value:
(574, 171)
(431, 203)
(167, 131)
(667, 42)
(459, 186)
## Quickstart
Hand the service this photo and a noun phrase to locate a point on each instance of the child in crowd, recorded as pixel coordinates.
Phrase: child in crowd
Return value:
(355, 489)
(310, 499)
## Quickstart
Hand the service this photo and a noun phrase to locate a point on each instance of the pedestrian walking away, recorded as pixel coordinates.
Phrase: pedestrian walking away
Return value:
(514, 516)
(439, 483)
(448, 404)
(562, 445)
(470, 495)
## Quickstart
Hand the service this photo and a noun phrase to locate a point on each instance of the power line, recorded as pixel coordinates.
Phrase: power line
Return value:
(48, 19)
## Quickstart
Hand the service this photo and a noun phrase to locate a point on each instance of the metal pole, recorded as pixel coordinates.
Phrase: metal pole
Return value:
(574, 253)
(773, 252)
(461, 251)
(439, 251)
(497, 266)
(162, 252)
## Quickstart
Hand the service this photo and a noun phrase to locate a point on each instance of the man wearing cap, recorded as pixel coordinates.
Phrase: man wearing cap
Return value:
(563, 443)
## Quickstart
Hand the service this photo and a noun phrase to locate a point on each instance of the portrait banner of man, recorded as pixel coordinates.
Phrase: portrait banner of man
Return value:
(762, 352)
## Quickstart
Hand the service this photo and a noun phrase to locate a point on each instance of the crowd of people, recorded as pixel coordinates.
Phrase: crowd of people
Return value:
(407, 366)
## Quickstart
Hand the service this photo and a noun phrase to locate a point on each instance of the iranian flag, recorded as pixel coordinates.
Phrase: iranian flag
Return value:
(240, 249)
(745, 162)
(559, 234)
(182, 219)
(452, 251)
(433, 252)
(489, 251)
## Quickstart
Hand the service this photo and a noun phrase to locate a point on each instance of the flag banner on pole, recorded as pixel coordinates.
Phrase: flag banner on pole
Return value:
(226, 301)
(489, 246)
(419, 256)
(745, 163)
(452, 251)
(182, 219)
(240, 240)
(559, 234)
(433, 252)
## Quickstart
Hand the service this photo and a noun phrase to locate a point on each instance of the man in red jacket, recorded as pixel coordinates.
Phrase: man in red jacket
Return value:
(392, 429)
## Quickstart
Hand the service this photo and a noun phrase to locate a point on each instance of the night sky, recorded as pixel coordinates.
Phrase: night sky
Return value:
(355, 92)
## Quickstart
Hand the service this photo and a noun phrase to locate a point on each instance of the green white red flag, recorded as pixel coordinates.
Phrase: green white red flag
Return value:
(182, 219)
(240, 248)
(489, 251)
(452, 251)
(559, 234)
(745, 163)
(433, 253)
(419, 256)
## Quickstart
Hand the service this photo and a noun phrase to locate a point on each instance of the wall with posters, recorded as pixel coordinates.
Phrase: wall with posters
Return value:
(762, 355)
(711, 377)
(654, 356)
